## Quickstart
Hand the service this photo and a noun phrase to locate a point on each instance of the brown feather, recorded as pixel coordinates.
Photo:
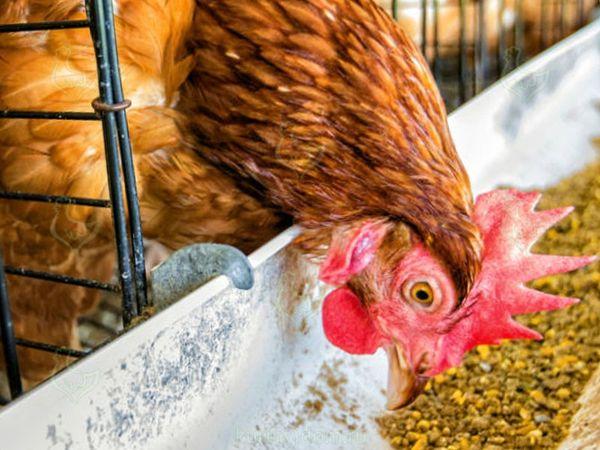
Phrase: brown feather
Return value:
(330, 106)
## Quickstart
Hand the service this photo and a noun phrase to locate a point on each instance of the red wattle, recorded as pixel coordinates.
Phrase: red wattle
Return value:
(347, 323)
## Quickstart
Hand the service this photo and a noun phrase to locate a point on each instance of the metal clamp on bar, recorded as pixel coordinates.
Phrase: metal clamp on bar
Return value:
(101, 107)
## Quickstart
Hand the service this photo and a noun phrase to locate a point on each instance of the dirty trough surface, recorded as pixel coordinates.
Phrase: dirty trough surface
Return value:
(224, 369)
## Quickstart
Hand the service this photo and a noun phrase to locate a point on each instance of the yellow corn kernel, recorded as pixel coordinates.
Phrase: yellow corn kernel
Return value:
(534, 436)
(423, 425)
(413, 437)
(563, 393)
(416, 415)
(538, 396)
(520, 365)
(421, 443)
(526, 429)
(535, 320)
(492, 393)
(566, 360)
(552, 404)
(525, 414)
(459, 397)
(484, 351)
(566, 343)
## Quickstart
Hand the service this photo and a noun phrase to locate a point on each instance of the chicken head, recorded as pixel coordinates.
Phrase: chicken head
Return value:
(415, 313)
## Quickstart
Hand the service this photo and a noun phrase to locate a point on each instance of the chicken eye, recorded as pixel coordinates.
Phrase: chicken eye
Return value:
(422, 293)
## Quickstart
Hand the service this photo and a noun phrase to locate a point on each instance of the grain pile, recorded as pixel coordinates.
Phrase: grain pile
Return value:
(522, 394)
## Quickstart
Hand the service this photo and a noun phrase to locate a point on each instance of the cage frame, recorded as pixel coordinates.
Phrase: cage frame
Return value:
(109, 108)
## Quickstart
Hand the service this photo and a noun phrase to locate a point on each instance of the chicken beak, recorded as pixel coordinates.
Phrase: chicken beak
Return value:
(404, 384)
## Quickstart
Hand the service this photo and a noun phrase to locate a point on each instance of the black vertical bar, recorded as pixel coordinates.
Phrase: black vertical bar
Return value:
(436, 39)
(96, 13)
(580, 13)
(519, 30)
(8, 338)
(480, 48)
(542, 24)
(424, 28)
(554, 22)
(552, 28)
(561, 18)
(462, 54)
(135, 222)
(500, 47)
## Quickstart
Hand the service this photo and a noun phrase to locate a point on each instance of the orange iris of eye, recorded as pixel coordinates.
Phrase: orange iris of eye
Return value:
(422, 293)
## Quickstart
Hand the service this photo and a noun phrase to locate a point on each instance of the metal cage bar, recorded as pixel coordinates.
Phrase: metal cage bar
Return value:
(580, 13)
(126, 153)
(501, 46)
(543, 15)
(64, 351)
(44, 26)
(58, 278)
(57, 199)
(11, 362)
(109, 110)
(462, 53)
(424, 28)
(52, 115)
(435, 67)
(561, 19)
(480, 49)
(97, 14)
(395, 8)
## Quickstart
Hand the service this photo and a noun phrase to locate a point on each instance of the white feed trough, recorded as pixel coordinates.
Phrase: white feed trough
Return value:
(224, 369)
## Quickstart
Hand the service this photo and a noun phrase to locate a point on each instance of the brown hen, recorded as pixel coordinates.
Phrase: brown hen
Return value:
(330, 107)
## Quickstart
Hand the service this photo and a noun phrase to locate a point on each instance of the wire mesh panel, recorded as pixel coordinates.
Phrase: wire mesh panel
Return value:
(109, 110)
(471, 43)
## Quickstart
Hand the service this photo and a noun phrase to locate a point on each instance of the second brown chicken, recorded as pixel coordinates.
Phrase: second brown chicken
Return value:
(183, 198)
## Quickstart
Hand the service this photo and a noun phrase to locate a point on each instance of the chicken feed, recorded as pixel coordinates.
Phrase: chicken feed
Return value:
(522, 394)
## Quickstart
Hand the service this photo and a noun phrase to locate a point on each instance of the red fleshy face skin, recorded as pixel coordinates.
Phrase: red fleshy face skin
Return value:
(435, 337)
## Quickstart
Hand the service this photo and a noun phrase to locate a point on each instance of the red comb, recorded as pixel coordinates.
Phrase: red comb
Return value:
(509, 226)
